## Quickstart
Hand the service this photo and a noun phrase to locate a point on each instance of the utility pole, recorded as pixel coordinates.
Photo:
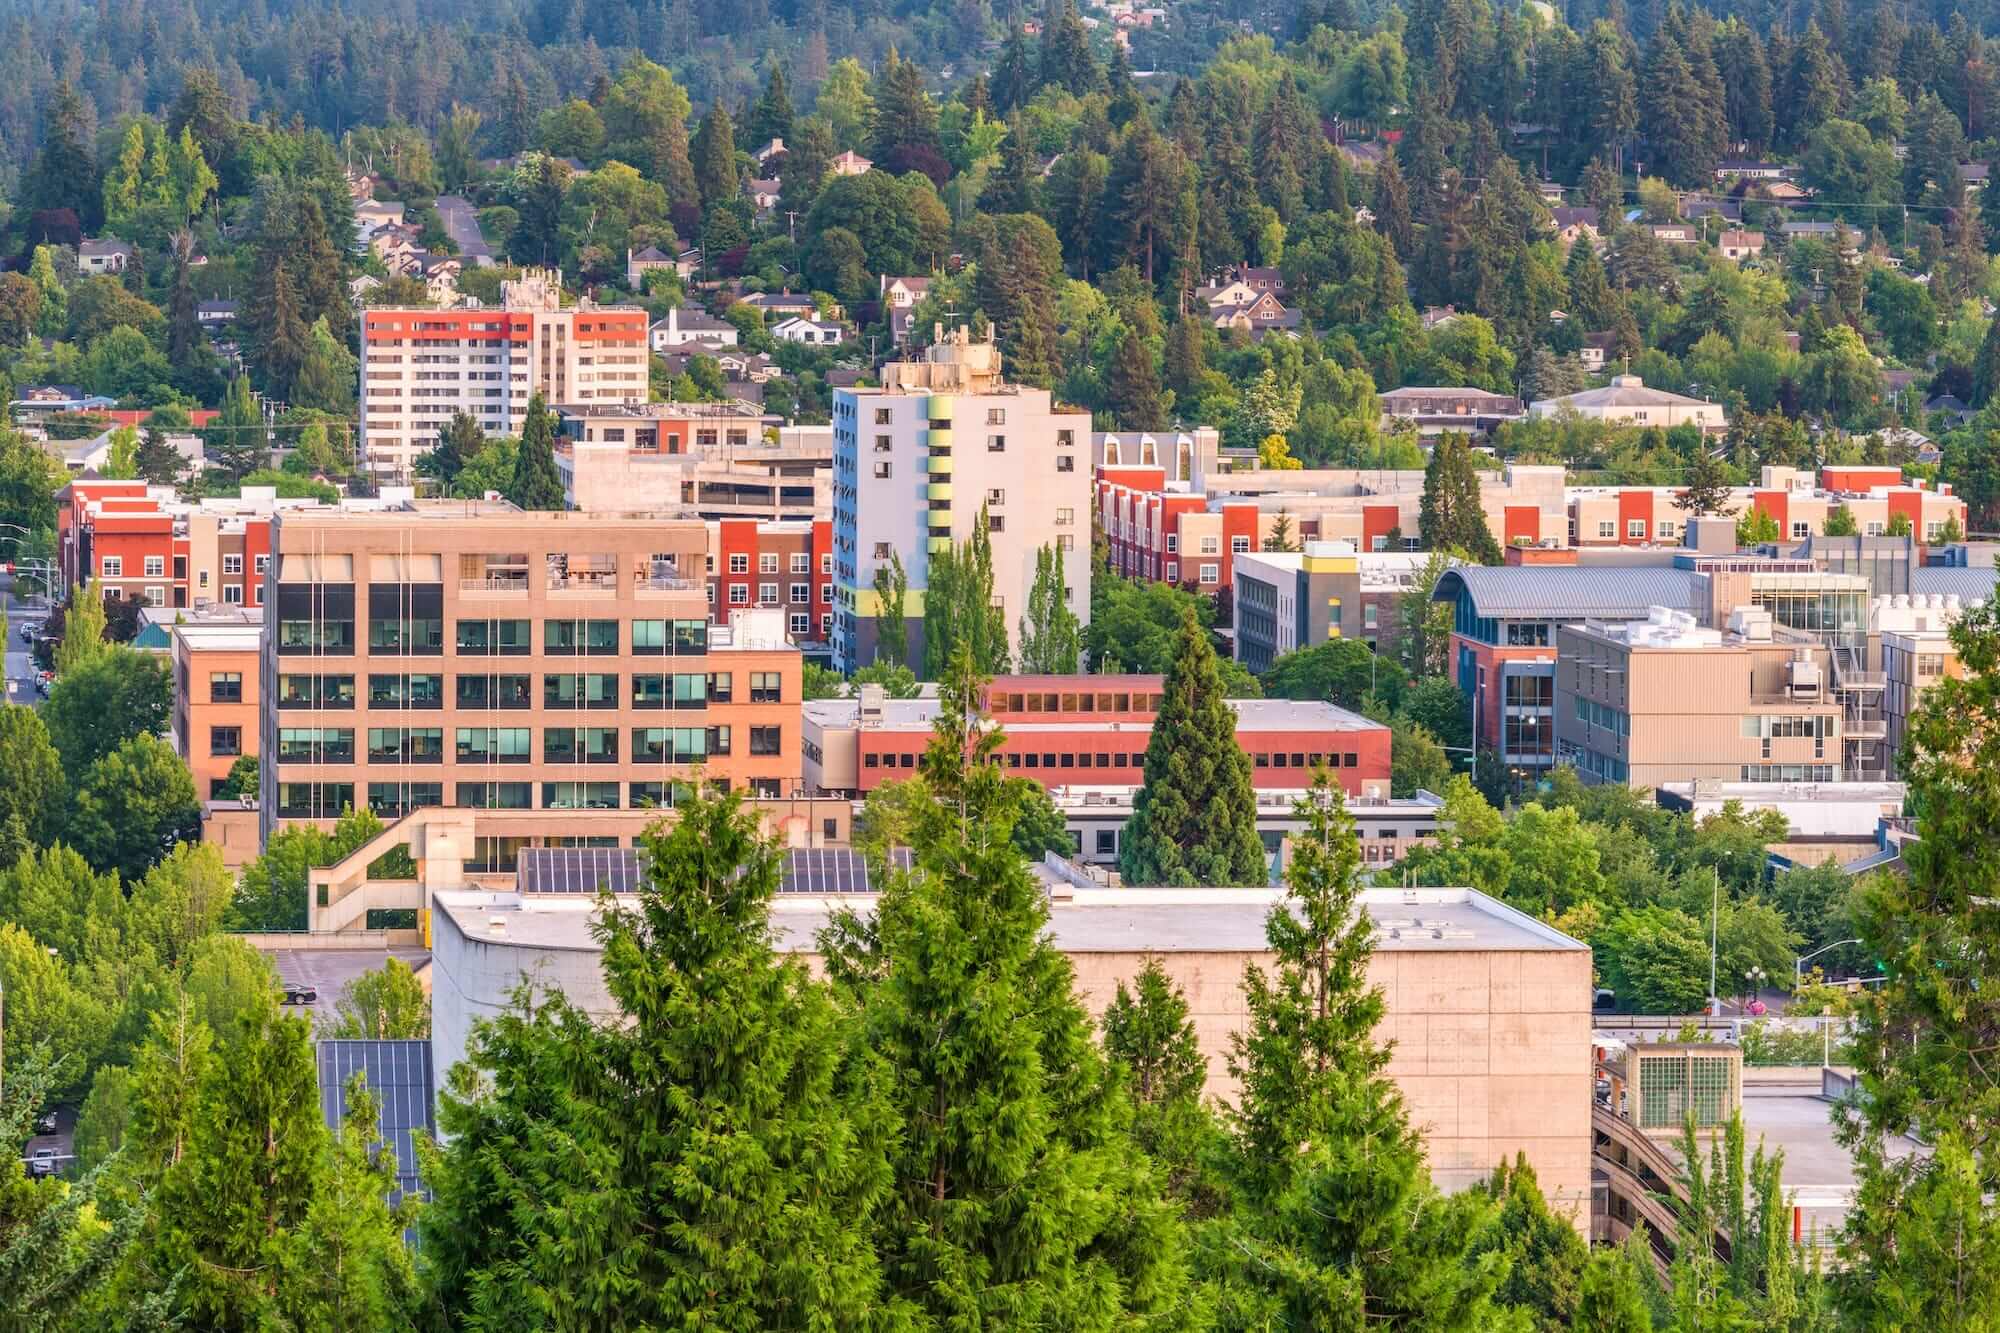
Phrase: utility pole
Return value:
(1714, 912)
(792, 225)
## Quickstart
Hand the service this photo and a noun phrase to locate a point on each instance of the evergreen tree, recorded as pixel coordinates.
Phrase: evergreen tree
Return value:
(1924, 1231)
(772, 117)
(1186, 357)
(1814, 87)
(159, 463)
(1450, 513)
(1708, 490)
(1612, 1295)
(1986, 367)
(535, 484)
(1392, 208)
(515, 129)
(1016, 187)
(714, 154)
(1150, 1037)
(327, 374)
(183, 322)
(1014, 78)
(808, 157)
(730, 1159)
(1018, 1200)
(64, 172)
(237, 442)
(458, 444)
(1194, 821)
(959, 608)
(1067, 61)
(905, 116)
(892, 630)
(286, 342)
(1051, 635)
(673, 167)
(1338, 1223)
(1151, 204)
(1134, 392)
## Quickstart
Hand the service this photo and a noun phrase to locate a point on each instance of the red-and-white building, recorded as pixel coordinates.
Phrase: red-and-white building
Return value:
(419, 367)
(1090, 732)
(784, 566)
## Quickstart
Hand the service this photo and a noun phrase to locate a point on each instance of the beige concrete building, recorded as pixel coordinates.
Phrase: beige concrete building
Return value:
(945, 444)
(1916, 653)
(420, 367)
(1662, 700)
(465, 653)
(1488, 1010)
(721, 460)
(217, 656)
(1626, 401)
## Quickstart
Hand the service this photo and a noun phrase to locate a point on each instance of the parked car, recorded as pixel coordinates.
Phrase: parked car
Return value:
(29, 631)
(42, 1162)
(46, 1124)
(301, 994)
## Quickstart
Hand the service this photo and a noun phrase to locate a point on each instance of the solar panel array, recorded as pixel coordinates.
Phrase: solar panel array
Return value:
(833, 870)
(398, 1076)
(619, 869)
(578, 869)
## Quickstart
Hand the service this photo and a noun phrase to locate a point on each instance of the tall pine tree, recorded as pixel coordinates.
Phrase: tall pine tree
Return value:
(1194, 821)
(536, 484)
(1450, 512)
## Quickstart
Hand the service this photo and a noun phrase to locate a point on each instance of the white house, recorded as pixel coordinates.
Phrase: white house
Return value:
(811, 331)
(105, 256)
(686, 325)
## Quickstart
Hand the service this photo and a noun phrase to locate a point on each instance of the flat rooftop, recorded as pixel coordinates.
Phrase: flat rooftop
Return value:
(911, 715)
(1084, 921)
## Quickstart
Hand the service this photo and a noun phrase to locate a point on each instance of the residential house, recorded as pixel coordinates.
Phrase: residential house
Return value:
(358, 288)
(1740, 245)
(1695, 207)
(371, 213)
(849, 163)
(1436, 316)
(215, 314)
(772, 148)
(686, 324)
(1784, 192)
(781, 303)
(1674, 233)
(1263, 314)
(638, 263)
(1574, 223)
(1739, 169)
(106, 255)
(1550, 191)
(1437, 411)
(1973, 174)
(1369, 154)
(1596, 350)
(1953, 408)
(1792, 230)
(899, 296)
(764, 193)
(817, 333)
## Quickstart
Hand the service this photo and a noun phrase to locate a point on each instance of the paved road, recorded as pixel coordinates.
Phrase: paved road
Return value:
(461, 223)
(19, 665)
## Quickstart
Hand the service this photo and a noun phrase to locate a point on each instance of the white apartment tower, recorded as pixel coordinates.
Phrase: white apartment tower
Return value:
(917, 462)
(418, 367)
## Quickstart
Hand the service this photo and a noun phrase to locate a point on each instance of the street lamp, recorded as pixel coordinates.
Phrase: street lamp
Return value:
(1753, 981)
(1799, 963)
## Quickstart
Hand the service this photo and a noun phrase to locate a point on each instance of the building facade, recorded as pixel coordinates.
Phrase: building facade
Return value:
(776, 567)
(1665, 700)
(1288, 600)
(1089, 731)
(944, 445)
(719, 460)
(420, 367)
(217, 671)
(469, 654)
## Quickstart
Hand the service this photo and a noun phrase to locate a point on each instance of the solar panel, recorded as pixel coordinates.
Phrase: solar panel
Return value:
(398, 1076)
(578, 869)
(833, 870)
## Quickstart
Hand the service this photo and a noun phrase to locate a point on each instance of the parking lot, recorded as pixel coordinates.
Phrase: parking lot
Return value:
(328, 970)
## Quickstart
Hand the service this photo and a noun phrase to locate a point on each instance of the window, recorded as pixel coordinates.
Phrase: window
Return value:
(314, 800)
(1239, 545)
(231, 564)
(766, 687)
(579, 796)
(799, 622)
(676, 745)
(580, 691)
(882, 445)
(739, 594)
(767, 594)
(996, 416)
(495, 796)
(1635, 529)
(1173, 543)
(826, 592)
(406, 691)
(488, 638)
(1065, 517)
(112, 566)
(802, 594)
(510, 692)
(262, 563)
(882, 469)
(225, 740)
(995, 496)
(315, 691)
(996, 522)
(801, 562)
(156, 566)
(739, 563)
(1369, 613)
(579, 745)
(1065, 542)
(1801, 530)
(881, 416)
(588, 638)
(232, 594)
(1532, 635)
(767, 562)
(225, 687)
(494, 745)
(315, 619)
(1211, 546)
(316, 745)
(996, 444)
(1209, 574)
(765, 740)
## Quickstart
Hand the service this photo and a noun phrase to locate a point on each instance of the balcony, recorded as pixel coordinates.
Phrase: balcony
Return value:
(1865, 728)
(939, 465)
(938, 490)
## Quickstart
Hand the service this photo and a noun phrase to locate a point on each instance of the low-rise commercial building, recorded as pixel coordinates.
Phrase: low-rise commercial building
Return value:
(1088, 731)
(217, 659)
(1488, 1009)
(465, 653)
(1626, 401)
(1438, 411)
(1288, 600)
(1666, 700)
(717, 460)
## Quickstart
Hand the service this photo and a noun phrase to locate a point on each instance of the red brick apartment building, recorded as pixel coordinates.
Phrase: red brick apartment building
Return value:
(784, 566)
(1089, 731)
(149, 547)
